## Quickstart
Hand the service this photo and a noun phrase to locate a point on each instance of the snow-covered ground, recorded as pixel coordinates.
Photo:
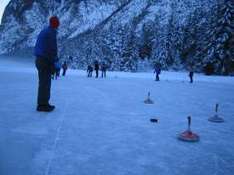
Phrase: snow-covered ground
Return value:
(102, 126)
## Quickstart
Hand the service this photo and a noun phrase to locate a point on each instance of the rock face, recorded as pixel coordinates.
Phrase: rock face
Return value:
(123, 33)
(23, 19)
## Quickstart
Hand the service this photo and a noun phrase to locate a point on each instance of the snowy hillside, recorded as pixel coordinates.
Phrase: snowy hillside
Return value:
(102, 126)
(181, 34)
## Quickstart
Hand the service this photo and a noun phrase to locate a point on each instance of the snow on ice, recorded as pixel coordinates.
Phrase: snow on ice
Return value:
(102, 126)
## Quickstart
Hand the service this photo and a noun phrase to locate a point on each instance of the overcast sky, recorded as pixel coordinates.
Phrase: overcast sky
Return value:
(3, 4)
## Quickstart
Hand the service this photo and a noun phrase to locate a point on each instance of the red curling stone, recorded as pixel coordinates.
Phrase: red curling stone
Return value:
(188, 136)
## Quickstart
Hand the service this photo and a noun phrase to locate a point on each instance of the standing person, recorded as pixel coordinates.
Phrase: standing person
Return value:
(103, 69)
(96, 67)
(64, 66)
(191, 73)
(46, 56)
(157, 71)
(90, 71)
(57, 70)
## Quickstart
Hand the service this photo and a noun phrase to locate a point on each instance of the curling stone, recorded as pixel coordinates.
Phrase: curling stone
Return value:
(216, 118)
(188, 135)
(154, 120)
(148, 100)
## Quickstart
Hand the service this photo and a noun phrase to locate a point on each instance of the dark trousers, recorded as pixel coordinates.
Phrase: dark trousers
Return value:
(96, 73)
(191, 79)
(64, 72)
(90, 74)
(44, 75)
(157, 77)
(57, 73)
(103, 74)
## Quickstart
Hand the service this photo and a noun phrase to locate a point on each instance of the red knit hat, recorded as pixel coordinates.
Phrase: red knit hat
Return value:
(54, 22)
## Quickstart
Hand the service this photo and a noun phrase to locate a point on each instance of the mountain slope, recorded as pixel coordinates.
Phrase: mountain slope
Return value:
(120, 33)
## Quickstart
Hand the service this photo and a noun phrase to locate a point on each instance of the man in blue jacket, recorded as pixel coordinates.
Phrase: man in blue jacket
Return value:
(46, 56)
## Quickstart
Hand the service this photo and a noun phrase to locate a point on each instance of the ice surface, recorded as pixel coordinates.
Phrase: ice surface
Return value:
(102, 126)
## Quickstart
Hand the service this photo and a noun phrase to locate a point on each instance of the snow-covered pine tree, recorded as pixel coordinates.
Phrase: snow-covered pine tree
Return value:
(219, 48)
(226, 37)
(189, 43)
(170, 37)
(117, 45)
(145, 50)
(129, 57)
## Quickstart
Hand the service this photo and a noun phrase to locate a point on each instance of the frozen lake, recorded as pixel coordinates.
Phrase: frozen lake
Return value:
(102, 126)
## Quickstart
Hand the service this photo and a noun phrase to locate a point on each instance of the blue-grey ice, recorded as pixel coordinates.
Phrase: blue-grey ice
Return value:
(102, 126)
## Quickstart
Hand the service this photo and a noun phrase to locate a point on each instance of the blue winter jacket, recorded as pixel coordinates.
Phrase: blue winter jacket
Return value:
(46, 45)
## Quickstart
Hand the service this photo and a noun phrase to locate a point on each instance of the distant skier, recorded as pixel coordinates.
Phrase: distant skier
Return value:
(90, 71)
(46, 56)
(157, 71)
(191, 73)
(103, 69)
(64, 67)
(96, 67)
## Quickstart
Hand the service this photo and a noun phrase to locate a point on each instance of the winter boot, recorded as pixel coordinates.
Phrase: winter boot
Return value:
(45, 108)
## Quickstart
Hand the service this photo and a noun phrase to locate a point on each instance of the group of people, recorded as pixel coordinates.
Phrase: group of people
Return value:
(57, 69)
(157, 72)
(97, 67)
(47, 63)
